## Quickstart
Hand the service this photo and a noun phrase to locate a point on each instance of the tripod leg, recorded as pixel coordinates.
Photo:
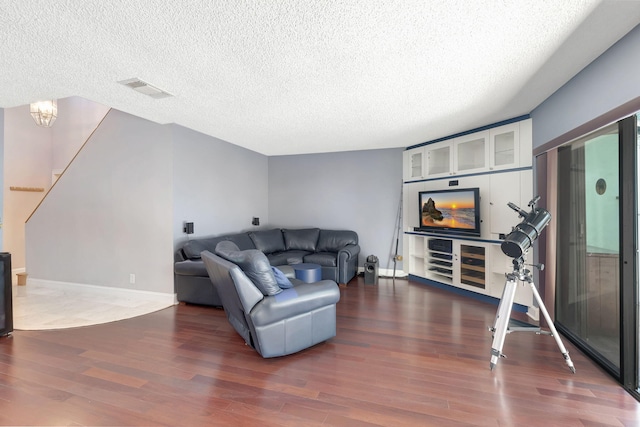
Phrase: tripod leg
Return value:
(554, 332)
(502, 321)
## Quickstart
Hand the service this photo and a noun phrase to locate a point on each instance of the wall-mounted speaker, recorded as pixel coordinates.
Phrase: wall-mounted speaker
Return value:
(188, 227)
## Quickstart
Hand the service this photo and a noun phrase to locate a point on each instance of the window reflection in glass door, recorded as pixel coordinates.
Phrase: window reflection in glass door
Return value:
(588, 253)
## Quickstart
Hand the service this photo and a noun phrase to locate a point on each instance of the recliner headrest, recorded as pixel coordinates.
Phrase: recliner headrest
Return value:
(253, 263)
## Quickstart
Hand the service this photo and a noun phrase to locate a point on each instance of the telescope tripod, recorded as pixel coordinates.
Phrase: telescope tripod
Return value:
(501, 326)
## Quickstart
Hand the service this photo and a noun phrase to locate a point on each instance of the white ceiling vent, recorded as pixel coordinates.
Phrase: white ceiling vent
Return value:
(145, 88)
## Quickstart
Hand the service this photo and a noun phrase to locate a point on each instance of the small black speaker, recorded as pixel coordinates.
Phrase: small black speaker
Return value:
(188, 227)
(371, 270)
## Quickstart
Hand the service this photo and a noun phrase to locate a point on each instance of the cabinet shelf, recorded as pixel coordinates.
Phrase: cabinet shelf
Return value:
(439, 260)
(472, 266)
(478, 268)
(477, 281)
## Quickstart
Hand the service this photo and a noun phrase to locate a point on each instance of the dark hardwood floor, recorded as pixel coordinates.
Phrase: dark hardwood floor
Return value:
(405, 354)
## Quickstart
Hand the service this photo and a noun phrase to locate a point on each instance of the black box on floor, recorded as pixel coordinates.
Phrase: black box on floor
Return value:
(6, 303)
(371, 273)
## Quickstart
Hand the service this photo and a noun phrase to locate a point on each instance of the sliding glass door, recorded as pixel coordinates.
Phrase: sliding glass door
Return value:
(588, 254)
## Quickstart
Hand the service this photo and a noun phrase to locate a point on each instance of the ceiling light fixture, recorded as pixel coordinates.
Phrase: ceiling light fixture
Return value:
(44, 112)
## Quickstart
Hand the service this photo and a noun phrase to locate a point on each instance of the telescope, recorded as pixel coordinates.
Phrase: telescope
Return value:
(518, 242)
(516, 245)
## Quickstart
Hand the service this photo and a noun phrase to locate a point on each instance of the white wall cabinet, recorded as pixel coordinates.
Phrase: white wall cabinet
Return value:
(498, 161)
(501, 148)
(414, 164)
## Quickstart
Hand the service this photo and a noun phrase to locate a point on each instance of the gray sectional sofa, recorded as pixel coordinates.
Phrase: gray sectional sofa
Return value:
(336, 251)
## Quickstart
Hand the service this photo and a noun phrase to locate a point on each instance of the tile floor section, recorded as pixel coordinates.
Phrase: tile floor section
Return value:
(59, 306)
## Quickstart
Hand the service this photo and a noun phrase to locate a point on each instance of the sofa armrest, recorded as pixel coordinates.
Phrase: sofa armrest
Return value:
(348, 252)
(295, 301)
(347, 263)
(179, 255)
(190, 268)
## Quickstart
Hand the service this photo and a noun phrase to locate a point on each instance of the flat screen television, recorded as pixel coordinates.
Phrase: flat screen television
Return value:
(452, 211)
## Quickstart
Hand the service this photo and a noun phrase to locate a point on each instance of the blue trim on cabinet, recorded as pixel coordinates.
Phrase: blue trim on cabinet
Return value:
(484, 298)
(450, 177)
(494, 125)
(453, 236)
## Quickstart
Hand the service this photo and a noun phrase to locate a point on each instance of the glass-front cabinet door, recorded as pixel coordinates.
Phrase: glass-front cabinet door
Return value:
(439, 160)
(504, 147)
(471, 152)
(414, 164)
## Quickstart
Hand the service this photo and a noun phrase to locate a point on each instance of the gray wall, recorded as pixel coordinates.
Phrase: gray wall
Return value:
(608, 82)
(357, 190)
(110, 214)
(218, 186)
(1, 175)
(121, 205)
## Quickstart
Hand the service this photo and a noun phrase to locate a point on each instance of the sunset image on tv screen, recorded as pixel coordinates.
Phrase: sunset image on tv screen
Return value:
(448, 210)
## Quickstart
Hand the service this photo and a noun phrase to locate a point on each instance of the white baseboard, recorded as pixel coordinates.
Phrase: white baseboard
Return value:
(387, 272)
(170, 299)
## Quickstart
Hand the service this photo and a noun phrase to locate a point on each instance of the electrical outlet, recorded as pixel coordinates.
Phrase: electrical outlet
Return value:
(132, 278)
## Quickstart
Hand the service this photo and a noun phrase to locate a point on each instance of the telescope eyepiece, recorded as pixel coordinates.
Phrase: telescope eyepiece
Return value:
(516, 208)
(533, 201)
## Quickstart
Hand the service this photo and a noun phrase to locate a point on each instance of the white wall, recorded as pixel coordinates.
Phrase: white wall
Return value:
(110, 214)
(31, 153)
(608, 82)
(77, 118)
(218, 186)
(357, 190)
(27, 163)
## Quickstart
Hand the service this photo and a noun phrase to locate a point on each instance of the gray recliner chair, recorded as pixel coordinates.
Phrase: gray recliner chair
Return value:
(274, 322)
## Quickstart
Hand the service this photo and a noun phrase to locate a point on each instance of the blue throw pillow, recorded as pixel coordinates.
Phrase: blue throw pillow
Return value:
(282, 280)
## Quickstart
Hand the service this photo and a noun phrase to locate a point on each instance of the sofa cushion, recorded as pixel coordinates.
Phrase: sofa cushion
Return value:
(334, 240)
(253, 263)
(325, 259)
(287, 257)
(268, 241)
(302, 240)
(193, 248)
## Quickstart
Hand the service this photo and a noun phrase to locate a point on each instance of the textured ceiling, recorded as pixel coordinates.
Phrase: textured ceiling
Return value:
(307, 76)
